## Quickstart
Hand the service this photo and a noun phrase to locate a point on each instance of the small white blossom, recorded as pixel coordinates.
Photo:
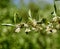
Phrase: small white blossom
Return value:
(41, 28)
(50, 25)
(17, 30)
(58, 26)
(55, 18)
(48, 30)
(43, 25)
(34, 22)
(33, 28)
(54, 30)
(17, 25)
(25, 25)
(27, 30)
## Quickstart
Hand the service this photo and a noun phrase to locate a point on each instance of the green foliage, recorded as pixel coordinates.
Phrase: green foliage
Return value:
(20, 31)
(4, 3)
(58, 9)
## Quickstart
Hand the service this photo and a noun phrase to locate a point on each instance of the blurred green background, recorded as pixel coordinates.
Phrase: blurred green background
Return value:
(15, 12)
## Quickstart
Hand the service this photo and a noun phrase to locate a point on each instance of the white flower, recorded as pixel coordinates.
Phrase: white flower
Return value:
(41, 28)
(54, 30)
(33, 28)
(34, 22)
(43, 25)
(55, 18)
(29, 12)
(25, 25)
(50, 25)
(58, 26)
(48, 30)
(27, 30)
(17, 25)
(17, 30)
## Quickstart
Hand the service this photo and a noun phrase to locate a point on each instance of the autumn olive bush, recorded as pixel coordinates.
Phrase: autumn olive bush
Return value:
(29, 28)
(16, 33)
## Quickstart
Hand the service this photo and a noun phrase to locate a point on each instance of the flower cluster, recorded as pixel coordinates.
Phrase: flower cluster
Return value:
(48, 27)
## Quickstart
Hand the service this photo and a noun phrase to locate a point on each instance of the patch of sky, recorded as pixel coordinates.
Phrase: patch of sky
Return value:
(39, 2)
(16, 2)
(26, 1)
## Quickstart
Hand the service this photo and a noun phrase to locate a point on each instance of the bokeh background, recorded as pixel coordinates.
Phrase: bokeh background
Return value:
(14, 12)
